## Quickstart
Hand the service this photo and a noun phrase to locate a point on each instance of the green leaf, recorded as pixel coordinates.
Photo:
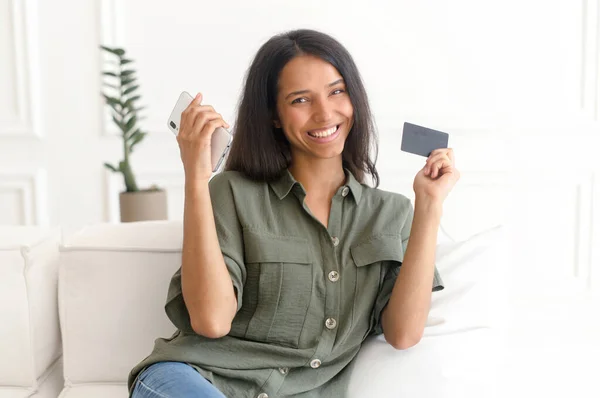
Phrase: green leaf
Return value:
(132, 110)
(118, 123)
(125, 61)
(110, 74)
(112, 100)
(116, 108)
(133, 133)
(131, 100)
(130, 123)
(117, 51)
(130, 90)
(127, 72)
(136, 140)
(110, 167)
(125, 80)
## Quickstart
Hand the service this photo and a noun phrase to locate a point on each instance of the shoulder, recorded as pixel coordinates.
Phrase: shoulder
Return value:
(225, 178)
(233, 189)
(227, 181)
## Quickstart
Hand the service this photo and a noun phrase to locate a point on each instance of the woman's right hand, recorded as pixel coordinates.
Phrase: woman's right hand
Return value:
(198, 123)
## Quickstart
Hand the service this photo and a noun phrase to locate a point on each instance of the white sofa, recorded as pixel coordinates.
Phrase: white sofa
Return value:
(30, 347)
(112, 284)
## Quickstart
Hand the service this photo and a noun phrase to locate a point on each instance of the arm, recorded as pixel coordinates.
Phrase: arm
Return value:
(206, 284)
(403, 319)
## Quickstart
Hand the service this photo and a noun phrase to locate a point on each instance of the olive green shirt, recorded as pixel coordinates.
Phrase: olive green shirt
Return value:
(308, 296)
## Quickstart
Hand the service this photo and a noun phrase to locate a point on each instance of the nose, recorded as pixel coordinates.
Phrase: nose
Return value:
(322, 111)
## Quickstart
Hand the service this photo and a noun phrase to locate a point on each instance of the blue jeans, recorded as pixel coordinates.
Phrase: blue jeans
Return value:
(173, 380)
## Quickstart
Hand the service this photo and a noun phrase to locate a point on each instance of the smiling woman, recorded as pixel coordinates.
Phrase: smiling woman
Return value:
(315, 116)
(289, 257)
(300, 82)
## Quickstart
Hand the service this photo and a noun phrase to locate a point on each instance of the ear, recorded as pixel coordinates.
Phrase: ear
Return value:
(277, 124)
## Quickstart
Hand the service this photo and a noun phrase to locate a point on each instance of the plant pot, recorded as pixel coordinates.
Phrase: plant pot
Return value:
(143, 205)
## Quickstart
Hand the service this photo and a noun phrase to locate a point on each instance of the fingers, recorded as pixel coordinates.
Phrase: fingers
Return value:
(189, 117)
(201, 117)
(434, 162)
(450, 153)
(438, 161)
(442, 151)
(198, 119)
(438, 167)
(212, 125)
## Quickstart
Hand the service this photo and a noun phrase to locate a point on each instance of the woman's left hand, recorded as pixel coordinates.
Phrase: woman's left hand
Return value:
(438, 177)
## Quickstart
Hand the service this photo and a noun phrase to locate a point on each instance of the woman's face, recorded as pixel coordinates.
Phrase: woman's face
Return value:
(314, 108)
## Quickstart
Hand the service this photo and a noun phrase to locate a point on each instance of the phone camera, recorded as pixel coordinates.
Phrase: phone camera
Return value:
(173, 124)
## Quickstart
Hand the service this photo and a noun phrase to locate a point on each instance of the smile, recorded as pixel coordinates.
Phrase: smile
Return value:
(324, 133)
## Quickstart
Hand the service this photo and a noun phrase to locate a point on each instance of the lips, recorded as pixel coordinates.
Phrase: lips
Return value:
(324, 132)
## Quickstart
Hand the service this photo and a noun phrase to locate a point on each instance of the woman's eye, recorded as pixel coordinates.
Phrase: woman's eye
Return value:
(338, 91)
(299, 100)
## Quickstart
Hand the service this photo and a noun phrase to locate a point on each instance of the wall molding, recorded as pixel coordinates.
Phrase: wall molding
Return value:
(110, 23)
(32, 188)
(584, 231)
(26, 122)
(590, 61)
(112, 35)
(594, 249)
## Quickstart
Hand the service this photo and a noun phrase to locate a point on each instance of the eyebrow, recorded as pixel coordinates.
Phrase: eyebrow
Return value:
(341, 80)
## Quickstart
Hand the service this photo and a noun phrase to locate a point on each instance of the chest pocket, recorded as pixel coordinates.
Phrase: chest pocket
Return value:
(379, 248)
(376, 260)
(277, 291)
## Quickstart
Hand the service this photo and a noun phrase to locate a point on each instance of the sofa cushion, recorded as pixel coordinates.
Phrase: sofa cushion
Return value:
(113, 284)
(48, 385)
(462, 345)
(29, 330)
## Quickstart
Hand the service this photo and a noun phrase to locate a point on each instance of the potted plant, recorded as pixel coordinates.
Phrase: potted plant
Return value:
(121, 96)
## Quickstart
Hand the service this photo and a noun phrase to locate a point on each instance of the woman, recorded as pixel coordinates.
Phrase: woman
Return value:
(289, 259)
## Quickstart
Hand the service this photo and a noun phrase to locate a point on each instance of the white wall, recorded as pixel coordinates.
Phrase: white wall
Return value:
(515, 82)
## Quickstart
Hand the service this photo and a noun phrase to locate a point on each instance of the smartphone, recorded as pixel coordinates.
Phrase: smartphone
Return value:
(221, 138)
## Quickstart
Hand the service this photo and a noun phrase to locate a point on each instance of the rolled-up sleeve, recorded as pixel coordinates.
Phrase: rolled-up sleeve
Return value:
(229, 233)
(391, 269)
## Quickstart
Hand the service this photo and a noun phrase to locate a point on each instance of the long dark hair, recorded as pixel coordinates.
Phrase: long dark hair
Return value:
(259, 149)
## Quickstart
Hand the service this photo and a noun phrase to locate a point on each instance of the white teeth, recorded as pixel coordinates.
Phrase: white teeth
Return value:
(325, 133)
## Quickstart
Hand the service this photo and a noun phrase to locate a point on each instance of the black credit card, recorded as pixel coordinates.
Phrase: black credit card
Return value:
(422, 140)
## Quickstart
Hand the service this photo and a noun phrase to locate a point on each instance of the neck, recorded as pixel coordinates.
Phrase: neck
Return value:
(320, 178)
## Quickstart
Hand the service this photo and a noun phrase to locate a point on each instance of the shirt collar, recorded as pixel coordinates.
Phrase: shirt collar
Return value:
(284, 184)
(355, 187)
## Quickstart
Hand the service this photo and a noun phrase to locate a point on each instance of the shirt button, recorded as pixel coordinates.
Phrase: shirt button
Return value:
(335, 241)
(263, 395)
(315, 363)
(334, 276)
(330, 323)
(284, 371)
(345, 191)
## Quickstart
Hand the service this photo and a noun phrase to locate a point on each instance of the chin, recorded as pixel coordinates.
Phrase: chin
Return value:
(329, 153)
